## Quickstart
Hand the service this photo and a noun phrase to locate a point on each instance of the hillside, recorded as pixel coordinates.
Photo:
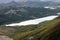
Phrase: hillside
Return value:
(29, 3)
(29, 20)
(48, 30)
(13, 12)
(19, 14)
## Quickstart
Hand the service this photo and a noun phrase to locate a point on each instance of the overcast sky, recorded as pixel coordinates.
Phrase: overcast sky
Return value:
(2, 1)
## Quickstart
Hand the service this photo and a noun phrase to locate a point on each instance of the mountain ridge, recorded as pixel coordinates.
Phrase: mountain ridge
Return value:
(31, 4)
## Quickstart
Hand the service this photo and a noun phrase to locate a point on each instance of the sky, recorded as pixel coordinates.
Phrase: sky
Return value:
(4, 1)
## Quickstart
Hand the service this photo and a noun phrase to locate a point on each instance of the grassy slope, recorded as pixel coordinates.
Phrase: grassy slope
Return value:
(47, 30)
(42, 32)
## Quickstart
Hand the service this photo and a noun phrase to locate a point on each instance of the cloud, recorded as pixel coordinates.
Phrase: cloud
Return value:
(4, 1)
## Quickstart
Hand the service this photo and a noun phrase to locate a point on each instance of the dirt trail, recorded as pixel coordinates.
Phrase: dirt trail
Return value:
(5, 38)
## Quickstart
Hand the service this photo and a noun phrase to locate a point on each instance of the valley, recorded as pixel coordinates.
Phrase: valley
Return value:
(30, 20)
(15, 15)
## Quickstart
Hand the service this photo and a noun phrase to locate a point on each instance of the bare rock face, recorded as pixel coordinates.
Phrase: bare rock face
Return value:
(5, 38)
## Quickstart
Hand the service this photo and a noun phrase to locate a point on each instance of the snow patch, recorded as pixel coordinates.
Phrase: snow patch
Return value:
(46, 7)
(52, 8)
(35, 21)
(49, 7)
(58, 13)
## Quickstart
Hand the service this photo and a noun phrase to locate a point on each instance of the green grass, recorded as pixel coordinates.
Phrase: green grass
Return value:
(47, 30)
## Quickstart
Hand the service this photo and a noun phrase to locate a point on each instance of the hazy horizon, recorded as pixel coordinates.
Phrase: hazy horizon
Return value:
(5, 1)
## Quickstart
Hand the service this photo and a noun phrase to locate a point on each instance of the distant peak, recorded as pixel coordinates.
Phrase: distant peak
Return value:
(13, 1)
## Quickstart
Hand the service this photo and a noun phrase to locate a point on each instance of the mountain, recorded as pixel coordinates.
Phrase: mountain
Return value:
(14, 12)
(48, 30)
(31, 4)
(19, 14)
(40, 3)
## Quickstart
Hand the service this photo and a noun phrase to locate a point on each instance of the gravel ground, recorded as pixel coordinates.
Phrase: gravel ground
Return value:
(5, 38)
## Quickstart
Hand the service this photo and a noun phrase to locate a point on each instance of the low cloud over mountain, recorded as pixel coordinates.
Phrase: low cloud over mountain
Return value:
(5, 1)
